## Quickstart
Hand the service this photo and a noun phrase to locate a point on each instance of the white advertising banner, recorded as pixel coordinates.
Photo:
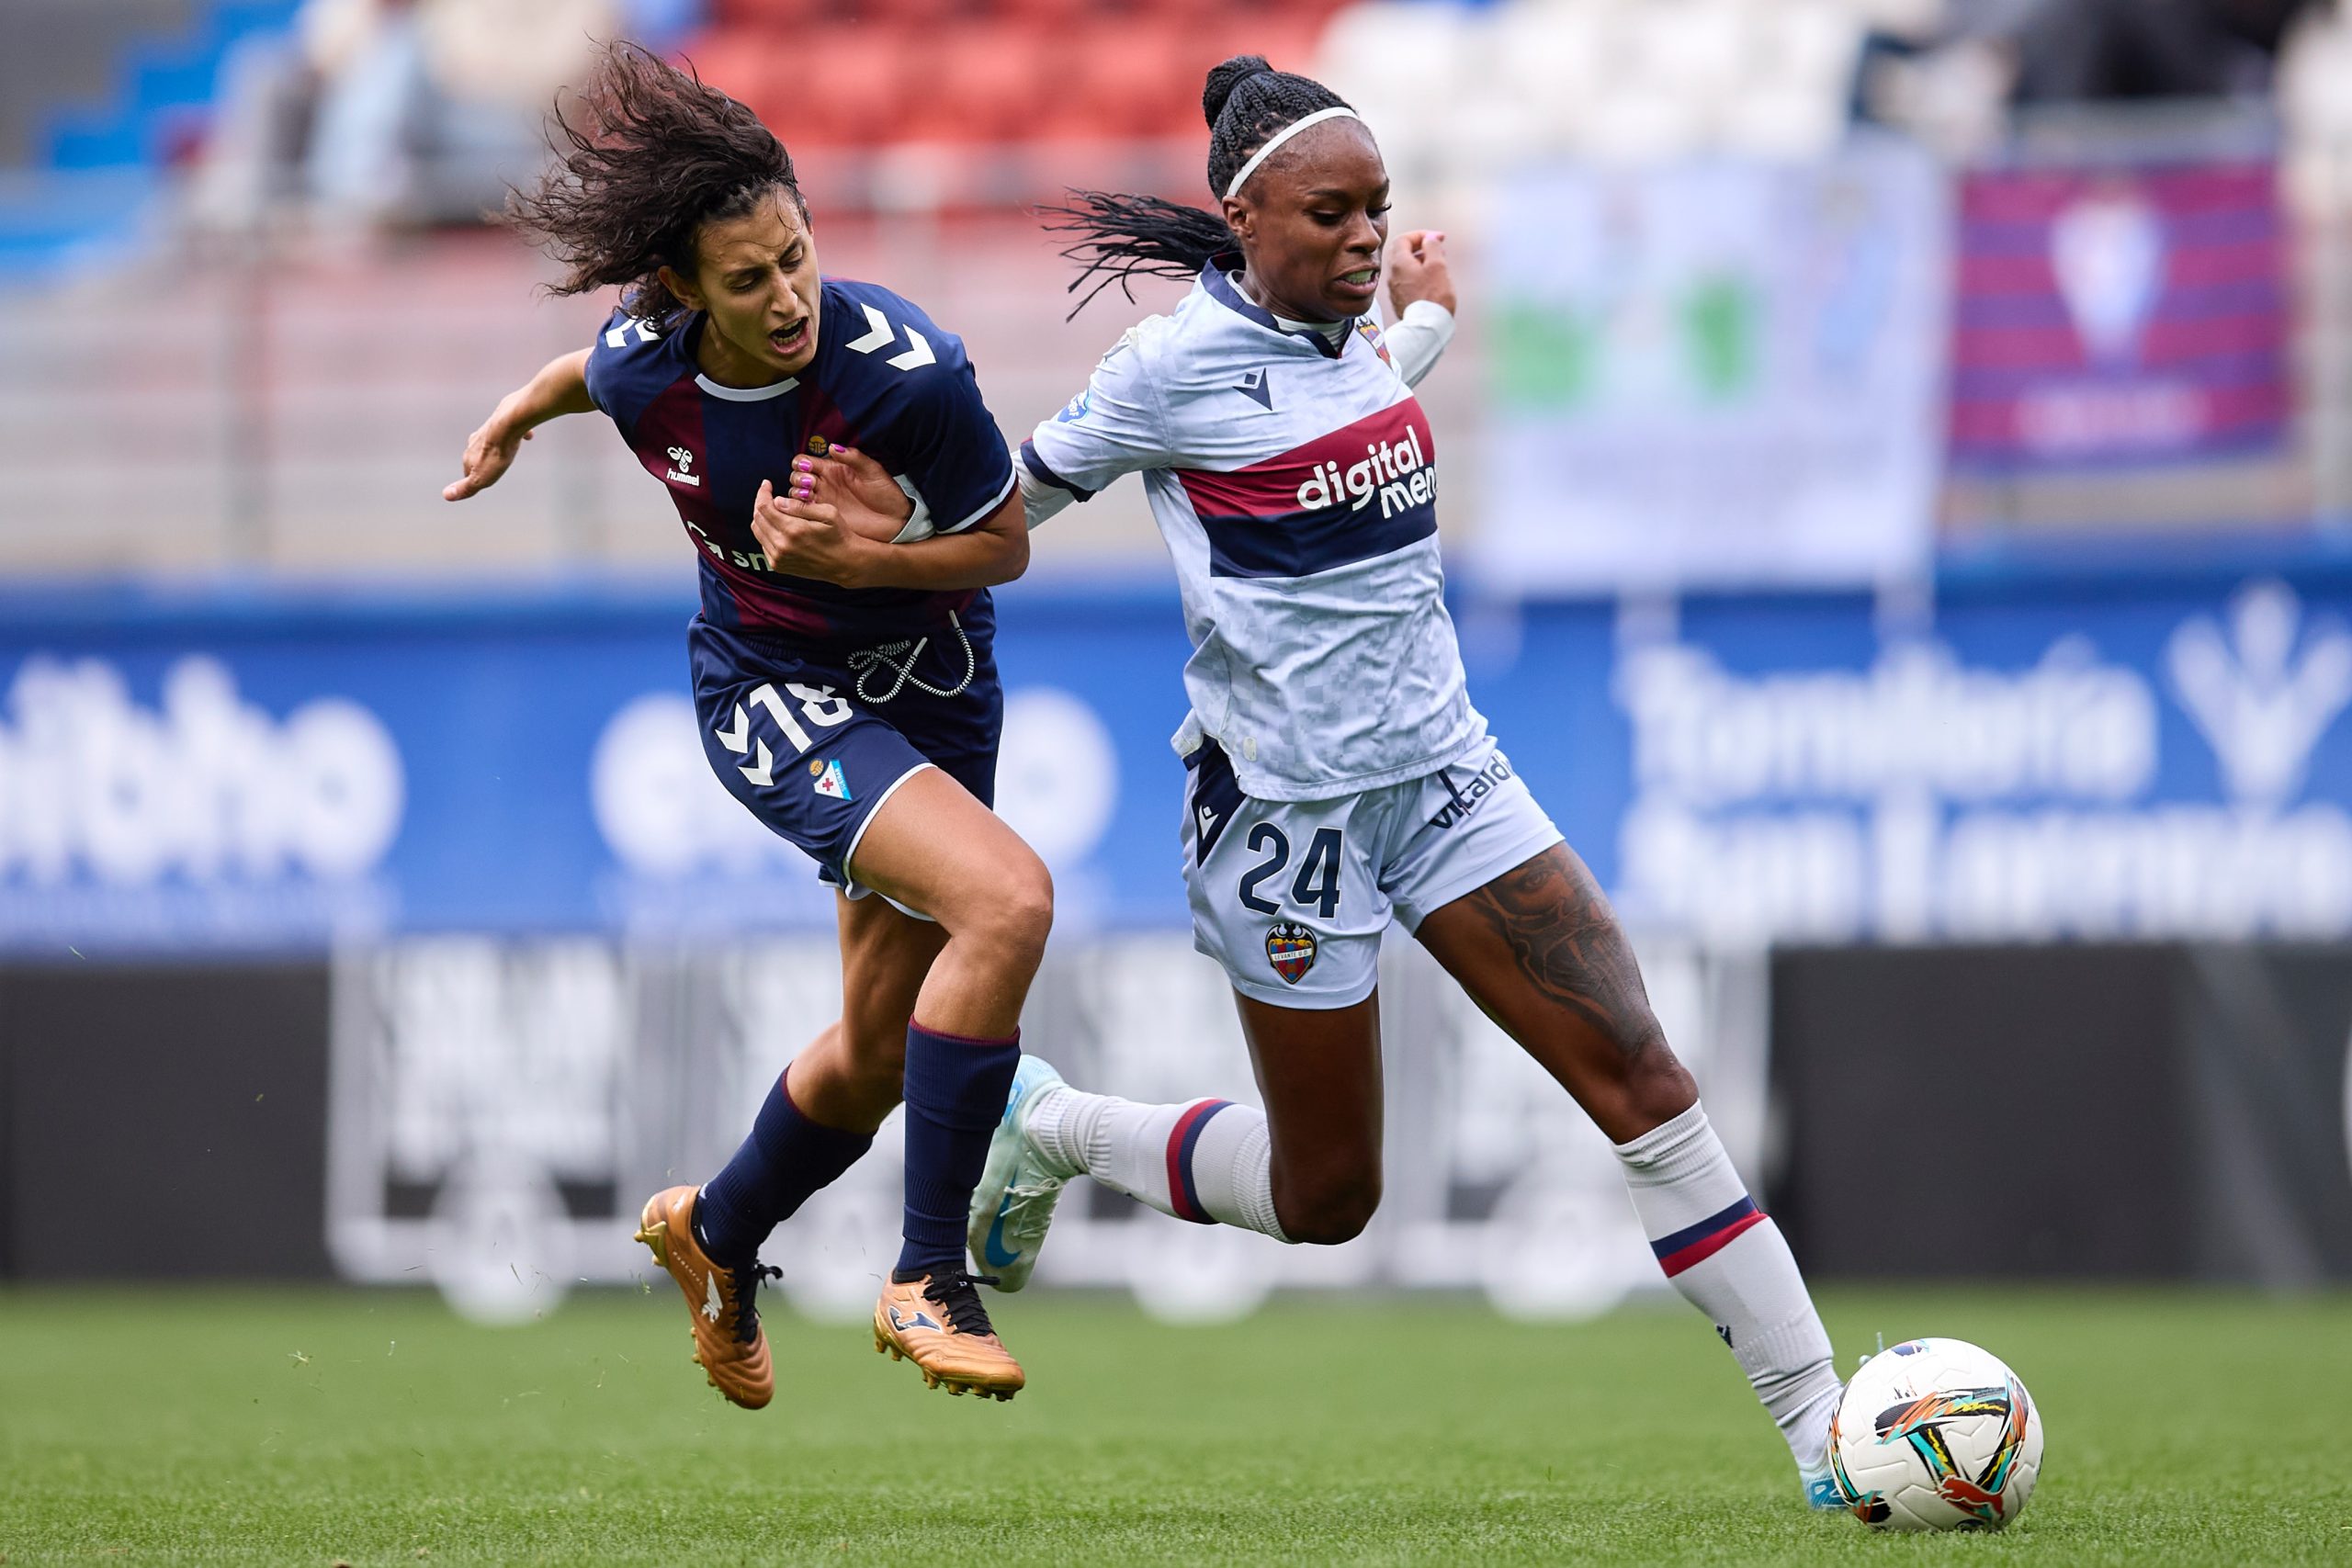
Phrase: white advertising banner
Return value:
(1718, 374)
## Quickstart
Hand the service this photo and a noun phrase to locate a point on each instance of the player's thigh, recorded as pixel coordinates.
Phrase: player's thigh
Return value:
(1284, 894)
(1540, 950)
(932, 846)
(785, 737)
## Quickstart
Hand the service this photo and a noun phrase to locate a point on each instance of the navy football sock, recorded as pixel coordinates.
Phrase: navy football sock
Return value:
(956, 1090)
(785, 1159)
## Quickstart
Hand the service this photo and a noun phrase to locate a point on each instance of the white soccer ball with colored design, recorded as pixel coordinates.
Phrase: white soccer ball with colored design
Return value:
(1936, 1434)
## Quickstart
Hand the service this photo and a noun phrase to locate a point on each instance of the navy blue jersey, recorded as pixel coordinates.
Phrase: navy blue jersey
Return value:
(885, 380)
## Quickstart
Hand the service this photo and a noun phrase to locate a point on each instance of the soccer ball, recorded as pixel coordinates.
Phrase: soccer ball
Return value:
(1936, 1434)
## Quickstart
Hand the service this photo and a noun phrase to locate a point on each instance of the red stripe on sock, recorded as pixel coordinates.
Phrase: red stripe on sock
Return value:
(1011, 1039)
(1177, 1198)
(1707, 1246)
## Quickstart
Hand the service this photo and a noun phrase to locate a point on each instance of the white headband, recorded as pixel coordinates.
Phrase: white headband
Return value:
(1279, 137)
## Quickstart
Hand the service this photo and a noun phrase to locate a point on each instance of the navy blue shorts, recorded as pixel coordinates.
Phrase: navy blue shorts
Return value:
(813, 741)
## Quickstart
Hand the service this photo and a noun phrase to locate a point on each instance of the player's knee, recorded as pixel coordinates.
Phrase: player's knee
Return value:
(1326, 1210)
(1657, 1086)
(1016, 917)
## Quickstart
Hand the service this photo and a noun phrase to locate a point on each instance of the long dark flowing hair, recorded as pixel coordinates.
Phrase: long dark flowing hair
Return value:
(1246, 101)
(645, 157)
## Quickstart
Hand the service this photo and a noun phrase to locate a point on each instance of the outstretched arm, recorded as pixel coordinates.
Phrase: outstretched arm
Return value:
(561, 387)
(1420, 286)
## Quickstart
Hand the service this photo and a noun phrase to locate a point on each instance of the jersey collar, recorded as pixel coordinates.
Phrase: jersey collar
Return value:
(1216, 277)
(690, 340)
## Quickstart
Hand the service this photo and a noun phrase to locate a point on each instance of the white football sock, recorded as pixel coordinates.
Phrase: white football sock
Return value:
(1206, 1160)
(1728, 1259)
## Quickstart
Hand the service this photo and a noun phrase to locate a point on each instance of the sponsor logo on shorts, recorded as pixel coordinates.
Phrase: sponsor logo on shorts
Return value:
(1290, 948)
(1466, 796)
(829, 779)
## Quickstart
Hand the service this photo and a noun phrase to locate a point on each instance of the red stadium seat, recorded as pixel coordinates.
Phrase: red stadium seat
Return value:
(1013, 78)
(929, 13)
(1127, 77)
(772, 15)
(836, 85)
(733, 60)
(995, 81)
(1055, 14)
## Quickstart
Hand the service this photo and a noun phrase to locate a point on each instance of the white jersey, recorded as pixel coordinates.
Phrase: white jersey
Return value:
(1293, 478)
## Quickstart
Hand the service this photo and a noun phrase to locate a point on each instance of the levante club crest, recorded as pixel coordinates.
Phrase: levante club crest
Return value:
(1290, 948)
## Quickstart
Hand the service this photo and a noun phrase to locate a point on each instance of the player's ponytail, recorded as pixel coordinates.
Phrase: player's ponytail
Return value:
(1246, 104)
(645, 157)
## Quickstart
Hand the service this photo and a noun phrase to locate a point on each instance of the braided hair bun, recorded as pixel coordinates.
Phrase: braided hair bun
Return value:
(1247, 101)
(1224, 79)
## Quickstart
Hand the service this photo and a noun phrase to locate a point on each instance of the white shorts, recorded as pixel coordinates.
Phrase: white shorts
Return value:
(1291, 896)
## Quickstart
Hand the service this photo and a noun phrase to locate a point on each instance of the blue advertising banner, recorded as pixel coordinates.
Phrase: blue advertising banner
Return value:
(2039, 756)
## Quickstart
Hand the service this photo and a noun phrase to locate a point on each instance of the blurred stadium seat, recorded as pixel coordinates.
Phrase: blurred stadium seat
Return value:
(1029, 70)
(937, 119)
(1457, 88)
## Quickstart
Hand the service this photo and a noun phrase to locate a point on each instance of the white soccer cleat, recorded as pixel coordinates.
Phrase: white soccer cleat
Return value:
(1014, 1202)
(1819, 1479)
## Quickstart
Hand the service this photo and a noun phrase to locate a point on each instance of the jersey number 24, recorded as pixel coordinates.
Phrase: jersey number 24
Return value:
(1315, 888)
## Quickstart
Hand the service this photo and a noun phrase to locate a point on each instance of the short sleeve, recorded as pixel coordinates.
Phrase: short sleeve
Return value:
(1112, 427)
(953, 453)
(621, 372)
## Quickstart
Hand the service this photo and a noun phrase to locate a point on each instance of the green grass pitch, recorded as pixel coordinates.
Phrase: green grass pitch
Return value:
(312, 1427)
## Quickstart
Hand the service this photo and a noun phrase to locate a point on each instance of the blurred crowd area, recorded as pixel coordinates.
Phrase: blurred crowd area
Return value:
(1922, 273)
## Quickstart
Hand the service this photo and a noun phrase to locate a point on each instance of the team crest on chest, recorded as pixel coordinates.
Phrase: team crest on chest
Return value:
(1290, 948)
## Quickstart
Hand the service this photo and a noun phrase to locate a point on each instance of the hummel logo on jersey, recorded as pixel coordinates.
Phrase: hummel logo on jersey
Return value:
(711, 1304)
(1483, 783)
(1395, 472)
(684, 461)
(920, 1320)
(1257, 388)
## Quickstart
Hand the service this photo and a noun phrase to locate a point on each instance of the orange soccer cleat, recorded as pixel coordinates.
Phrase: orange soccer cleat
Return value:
(730, 1346)
(936, 1321)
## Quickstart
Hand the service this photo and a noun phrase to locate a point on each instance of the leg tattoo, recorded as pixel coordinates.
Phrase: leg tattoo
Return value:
(1567, 943)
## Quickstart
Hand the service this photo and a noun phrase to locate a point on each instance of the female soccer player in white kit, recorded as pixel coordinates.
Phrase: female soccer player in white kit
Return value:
(1338, 776)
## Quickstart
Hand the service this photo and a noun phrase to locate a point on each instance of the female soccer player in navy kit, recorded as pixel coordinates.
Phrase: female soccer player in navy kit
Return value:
(1338, 776)
(846, 684)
